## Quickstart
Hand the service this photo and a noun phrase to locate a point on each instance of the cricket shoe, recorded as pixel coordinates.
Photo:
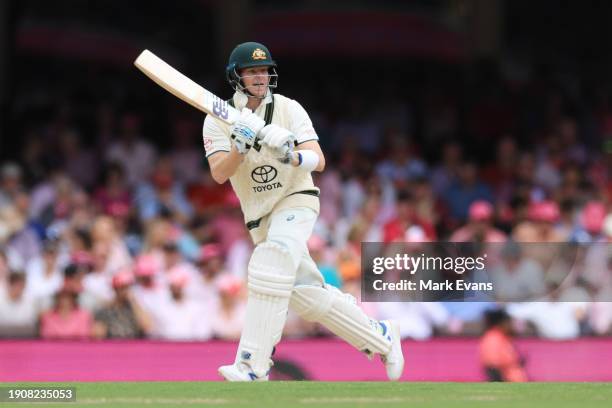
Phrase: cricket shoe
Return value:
(240, 372)
(394, 359)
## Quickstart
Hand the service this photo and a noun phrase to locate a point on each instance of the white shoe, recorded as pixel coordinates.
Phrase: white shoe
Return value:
(394, 360)
(240, 372)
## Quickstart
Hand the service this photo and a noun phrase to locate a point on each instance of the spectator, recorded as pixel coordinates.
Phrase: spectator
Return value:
(163, 195)
(548, 167)
(74, 274)
(573, 149)
(498, 355)
(22, 234)
(4, 269)
(591, 223)
(446, 173)
(18, 310)
(517, 277)
(369, 217)
(406, 217)
(45, 272)
(123, 317)
(35, 157)
(157, 232)
(186, 155)
(540, 226)
(66, 320)
(501, 174)
(51, 200)
(10, 183)
(134, 154)
(552, 319)
(79, 242)
(597, 271)
(210, 266)
(148, 293)
(353, 189)
(401, 166)
(228, 312)
(97, 283)
(113, 252)
(479, 227)
(80, 164)
(600, 311)
(173, 258)
(182, 318)
(428, 207)
(206, 196)
(331, 194)
(113, 196)
(317, 249)
(465, 190)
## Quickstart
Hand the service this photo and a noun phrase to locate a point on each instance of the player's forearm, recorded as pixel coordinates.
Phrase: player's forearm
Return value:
(223, 165)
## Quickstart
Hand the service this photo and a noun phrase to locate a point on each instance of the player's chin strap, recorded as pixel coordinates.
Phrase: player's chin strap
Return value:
(267, 116)
(238, 87)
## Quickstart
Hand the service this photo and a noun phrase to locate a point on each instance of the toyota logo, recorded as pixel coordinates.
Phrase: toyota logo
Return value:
(264, 174)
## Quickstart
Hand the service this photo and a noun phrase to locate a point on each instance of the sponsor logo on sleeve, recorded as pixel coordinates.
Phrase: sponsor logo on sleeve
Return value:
(208, 143)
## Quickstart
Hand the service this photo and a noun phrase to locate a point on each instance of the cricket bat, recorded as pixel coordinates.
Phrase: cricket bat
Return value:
(184, 88)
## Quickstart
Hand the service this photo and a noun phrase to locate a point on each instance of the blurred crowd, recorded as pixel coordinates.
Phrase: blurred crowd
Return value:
(103, 234)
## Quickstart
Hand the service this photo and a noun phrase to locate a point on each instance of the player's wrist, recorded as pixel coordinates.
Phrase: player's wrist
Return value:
(238, 153)
(306, 160)
(296, 159)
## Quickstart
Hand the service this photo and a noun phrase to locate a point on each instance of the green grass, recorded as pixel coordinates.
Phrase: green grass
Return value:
(328, 394)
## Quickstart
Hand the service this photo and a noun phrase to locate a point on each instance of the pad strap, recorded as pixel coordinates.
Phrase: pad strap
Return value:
(340, 314)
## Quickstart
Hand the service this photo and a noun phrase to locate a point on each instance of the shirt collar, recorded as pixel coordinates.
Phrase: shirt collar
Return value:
(240, 99)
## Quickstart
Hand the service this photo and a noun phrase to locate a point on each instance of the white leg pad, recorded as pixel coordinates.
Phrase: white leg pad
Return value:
(339, 313)
(271, 277)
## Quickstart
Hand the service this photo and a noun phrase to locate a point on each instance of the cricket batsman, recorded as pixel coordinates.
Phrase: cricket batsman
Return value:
(268, 155)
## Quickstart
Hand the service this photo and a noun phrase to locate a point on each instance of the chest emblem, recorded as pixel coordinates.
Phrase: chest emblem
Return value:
(264, 174)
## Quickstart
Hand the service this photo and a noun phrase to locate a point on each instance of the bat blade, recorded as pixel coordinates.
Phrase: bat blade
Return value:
(184, 88)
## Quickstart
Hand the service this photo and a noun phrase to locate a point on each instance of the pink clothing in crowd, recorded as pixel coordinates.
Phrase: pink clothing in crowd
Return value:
(227, 324)
(77, 324)
(466, 234)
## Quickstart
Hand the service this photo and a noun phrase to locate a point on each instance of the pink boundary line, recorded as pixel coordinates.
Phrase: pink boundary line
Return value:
(321, 359)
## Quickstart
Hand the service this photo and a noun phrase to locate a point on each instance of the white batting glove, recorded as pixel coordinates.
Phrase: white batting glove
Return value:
(277, 138)
(245, 130)
(285, 153)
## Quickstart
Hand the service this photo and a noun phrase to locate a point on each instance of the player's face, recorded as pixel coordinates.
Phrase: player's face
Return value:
(256, 80)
